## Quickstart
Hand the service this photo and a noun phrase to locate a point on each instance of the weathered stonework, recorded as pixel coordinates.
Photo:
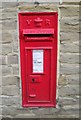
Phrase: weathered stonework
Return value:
(6, 48)
(13, 59)
(68, 81)
(10, 90)
(6, 70)
(10, 80)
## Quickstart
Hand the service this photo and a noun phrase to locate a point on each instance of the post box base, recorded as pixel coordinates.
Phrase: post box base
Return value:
(40, 105)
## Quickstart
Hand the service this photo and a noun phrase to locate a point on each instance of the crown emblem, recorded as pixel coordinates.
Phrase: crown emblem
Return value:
(38, 22)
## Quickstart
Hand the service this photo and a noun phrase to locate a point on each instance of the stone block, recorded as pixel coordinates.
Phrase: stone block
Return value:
(54, 111)
(0, 15)
(6, 49)
(16, 70)
(10, 80)
(0, 49)
(65, 101)
(6, 36)
(15, 36)
(68, 69)
(71, 1)
(7, 117)
(8, 10)
(10, 101)
(0, 90)
(68, 36)
(69, 58)
(62, 81)
(0, 83)
(0, 59)
(72, 21)
(9, 4)
(9, 15)
(42, 111)
(30, 115)
(1, 71)
(68, 114)
(24, 111)
(71, 90)
(67, 107)
(0, 114)
(13, 59)
(11, 90)
(9, 110)
(40, 8)
(69, 10)
(69, 24)
(9, 24)
(3, 60)
(6, 70)
(15, 47)
(73, 79)
(69, 47)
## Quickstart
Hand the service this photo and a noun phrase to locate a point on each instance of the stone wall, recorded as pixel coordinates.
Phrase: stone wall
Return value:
(68, 81)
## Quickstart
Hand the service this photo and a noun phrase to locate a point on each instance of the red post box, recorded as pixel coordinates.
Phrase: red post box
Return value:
(38, 56)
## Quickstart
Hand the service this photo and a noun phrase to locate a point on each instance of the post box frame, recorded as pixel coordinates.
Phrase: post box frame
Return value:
(24, 95)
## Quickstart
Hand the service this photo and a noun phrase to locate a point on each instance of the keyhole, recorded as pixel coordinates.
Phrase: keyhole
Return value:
(33, 80)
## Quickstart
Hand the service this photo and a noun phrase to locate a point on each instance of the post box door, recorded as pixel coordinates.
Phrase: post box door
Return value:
(38, 66)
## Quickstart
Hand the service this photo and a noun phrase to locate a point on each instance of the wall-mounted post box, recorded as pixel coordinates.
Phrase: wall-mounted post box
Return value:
(38, 56)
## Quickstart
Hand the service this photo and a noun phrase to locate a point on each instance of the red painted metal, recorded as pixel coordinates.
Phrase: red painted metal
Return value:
(38, 31)
(38, 36)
